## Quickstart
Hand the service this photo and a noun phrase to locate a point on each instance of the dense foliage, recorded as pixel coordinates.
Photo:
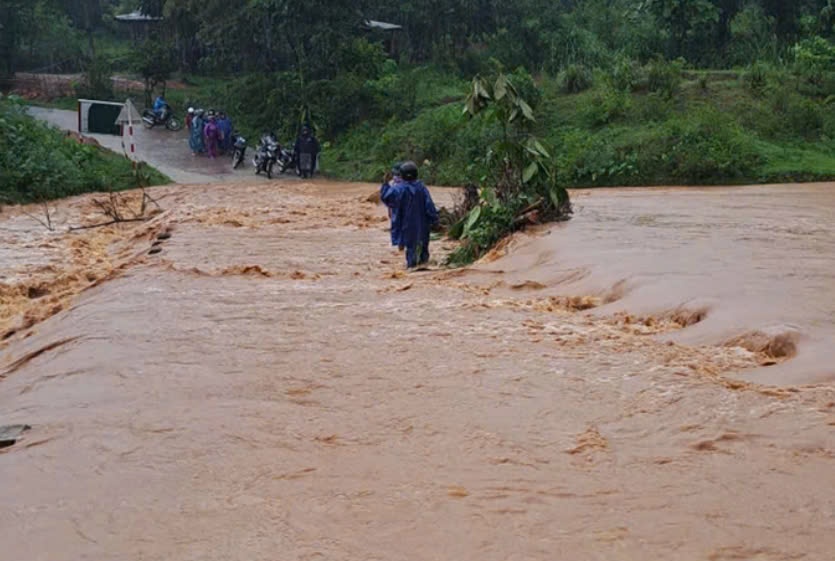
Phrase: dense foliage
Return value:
(39, 163)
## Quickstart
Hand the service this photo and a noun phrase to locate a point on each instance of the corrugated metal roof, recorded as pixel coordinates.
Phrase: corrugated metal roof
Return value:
(372, 24)
(136, 15)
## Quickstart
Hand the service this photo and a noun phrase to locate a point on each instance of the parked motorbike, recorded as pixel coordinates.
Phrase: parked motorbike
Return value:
(286, 160)
(239, 150)
(167, 118)
(266, 155)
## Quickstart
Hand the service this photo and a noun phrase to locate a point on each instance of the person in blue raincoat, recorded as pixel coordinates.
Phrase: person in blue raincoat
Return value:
(159, 106)
(195, 139)
(416, 212)
(391, 181)
(224, 124)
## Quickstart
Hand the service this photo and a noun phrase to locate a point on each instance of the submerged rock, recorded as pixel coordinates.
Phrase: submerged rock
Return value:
(9, 434)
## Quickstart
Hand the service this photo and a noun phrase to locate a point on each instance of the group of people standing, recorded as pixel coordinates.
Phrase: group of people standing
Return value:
(210, 132)
(411, 210)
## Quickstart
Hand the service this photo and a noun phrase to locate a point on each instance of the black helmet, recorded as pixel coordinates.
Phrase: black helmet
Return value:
(395, 169)
(409, 171)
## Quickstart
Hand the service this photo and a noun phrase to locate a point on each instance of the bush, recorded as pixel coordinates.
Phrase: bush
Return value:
(664, 77)
(605, 107)
(626, 75)
(494, 222)
(575, 78)
(525, 85)
(804, 117)
(586, 160)
(701, 147)
(39, 163)
(756, 78)
(813, 57)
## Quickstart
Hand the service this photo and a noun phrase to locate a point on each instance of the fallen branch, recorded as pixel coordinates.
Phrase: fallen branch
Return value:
(46, 224)
(90, 226)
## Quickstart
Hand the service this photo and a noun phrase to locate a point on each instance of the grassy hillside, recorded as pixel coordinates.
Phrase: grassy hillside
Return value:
(705, 128)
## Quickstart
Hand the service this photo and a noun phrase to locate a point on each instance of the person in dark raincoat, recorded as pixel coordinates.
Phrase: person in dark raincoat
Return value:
(307, 151)
(195, 139)
(416, 212)
(391, 181)
(224, 125)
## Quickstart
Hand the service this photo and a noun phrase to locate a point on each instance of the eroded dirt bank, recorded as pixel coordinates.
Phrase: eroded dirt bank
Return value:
(272, 385)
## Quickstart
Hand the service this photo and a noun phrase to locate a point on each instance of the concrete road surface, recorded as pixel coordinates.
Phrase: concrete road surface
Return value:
(165, 150)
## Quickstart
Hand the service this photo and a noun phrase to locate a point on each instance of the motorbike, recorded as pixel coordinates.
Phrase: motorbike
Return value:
(266, 155)
(239, 150)
(168, 119)
(286, 160)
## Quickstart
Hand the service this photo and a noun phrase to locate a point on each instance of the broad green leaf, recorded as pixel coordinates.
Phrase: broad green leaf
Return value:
(526, 110)
(472, 218)
(555, 201)
(500, 89)
(530, 172)
(542, 150)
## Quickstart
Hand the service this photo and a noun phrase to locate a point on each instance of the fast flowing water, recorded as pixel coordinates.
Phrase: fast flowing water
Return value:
(753, 264)
(272, 385)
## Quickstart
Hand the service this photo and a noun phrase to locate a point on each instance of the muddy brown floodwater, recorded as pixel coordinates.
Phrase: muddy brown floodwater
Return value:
(272, 384)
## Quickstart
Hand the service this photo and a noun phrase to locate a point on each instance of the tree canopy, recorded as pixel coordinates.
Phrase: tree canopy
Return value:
(315, 38)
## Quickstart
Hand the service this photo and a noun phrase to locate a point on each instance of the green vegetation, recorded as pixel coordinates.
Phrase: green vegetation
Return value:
(39, 163)
(624, 92)
(520, 185)
(714, 129)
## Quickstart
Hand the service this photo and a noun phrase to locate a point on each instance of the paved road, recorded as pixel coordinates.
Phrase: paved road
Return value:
(165, 150)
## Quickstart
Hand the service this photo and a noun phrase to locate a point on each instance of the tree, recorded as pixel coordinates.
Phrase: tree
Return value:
(754, 35)
(688, 23)
(14, 16)
(153, 60)
(521, 186)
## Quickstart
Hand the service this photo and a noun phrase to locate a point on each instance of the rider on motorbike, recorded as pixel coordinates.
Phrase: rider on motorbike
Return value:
(160, 106)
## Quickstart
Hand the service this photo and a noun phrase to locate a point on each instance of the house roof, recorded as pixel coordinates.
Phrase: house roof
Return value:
(135, 16)
(373, 24)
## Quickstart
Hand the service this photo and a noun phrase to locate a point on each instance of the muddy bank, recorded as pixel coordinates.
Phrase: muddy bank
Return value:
(272, 381)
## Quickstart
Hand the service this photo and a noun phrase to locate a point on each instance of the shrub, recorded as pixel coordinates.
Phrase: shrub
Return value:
(804, 117)
(701, 147)
(813, 57)
(39, 163)
(756, 78)
(575, 78)
(664, 77)
(625, 75)
(605, 107)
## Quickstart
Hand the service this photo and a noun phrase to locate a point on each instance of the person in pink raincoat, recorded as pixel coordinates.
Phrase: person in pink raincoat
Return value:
(212, 133)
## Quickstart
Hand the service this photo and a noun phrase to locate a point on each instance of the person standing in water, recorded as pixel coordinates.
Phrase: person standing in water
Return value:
(391, 181)
(416, 211)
